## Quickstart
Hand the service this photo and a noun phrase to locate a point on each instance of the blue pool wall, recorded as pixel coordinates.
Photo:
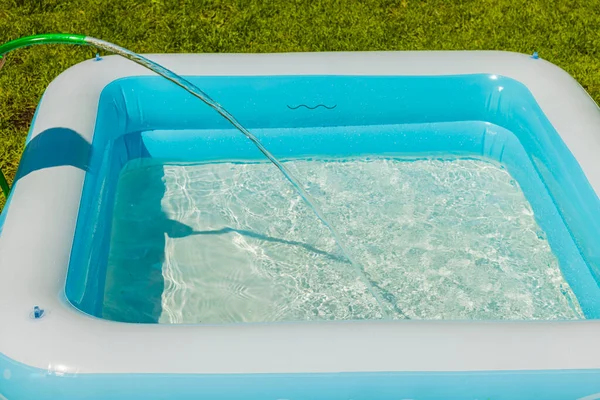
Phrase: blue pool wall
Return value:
(31, 383)
(479, 115)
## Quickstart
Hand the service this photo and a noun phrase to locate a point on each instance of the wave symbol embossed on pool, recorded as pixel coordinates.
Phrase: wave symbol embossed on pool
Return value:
(313, 107)
(233, 242)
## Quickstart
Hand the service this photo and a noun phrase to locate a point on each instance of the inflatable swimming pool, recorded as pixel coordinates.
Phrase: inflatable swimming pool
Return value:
(100, 115)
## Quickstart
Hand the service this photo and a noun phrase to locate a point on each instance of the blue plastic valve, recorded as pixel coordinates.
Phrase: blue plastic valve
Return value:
(535, 55)
(37, 312)
(98, 58)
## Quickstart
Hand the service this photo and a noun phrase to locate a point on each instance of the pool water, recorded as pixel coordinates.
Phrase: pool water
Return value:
(232, 242)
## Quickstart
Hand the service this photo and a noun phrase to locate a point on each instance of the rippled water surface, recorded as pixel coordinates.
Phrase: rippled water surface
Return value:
(232, 242)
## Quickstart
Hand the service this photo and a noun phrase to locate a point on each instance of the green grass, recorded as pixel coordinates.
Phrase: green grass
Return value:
(565, 32)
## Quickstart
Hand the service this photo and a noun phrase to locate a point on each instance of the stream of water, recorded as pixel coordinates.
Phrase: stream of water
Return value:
(198, 93)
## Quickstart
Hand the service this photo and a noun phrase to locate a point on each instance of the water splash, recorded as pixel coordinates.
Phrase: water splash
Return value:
(198, 93)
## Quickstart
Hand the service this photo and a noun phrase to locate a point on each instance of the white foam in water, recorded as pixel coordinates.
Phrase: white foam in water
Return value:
(231, 242)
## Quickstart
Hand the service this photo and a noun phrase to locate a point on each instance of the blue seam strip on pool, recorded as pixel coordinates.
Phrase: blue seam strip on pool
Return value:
(33, 383)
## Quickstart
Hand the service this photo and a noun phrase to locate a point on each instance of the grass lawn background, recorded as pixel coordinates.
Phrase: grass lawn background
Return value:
(565, 32)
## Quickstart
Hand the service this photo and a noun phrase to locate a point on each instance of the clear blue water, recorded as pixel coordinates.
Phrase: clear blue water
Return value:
(233, 242)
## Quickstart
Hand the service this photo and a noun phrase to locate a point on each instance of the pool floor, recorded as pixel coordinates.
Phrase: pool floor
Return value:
(231, 242)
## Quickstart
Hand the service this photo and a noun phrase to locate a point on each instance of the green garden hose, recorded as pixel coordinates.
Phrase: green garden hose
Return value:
(4, 184)
(48, 38)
